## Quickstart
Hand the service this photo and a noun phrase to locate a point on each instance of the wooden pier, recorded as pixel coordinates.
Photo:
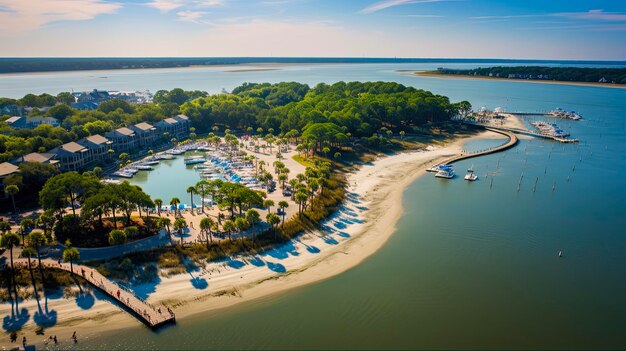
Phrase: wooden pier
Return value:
(512, 142)
(152, 316)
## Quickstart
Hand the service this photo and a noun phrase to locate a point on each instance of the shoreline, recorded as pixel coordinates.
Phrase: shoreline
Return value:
(428, 74)
(379, 186)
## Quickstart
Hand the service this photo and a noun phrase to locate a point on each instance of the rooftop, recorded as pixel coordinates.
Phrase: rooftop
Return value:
(38, 157)
(97, 139)
(7, 168)
(144, 126)
(125, 131)
(73, 147)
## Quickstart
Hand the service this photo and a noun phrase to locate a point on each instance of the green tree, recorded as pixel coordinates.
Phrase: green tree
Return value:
(268, 204)
(273, 220)
(117, 237)
(228, 226)
(179, 225)
(12, 190)
(283, 205)
(175, 202)
(36, 239)
(131, 232)
(253, 217)
(158, 202)
(71, 254)
(241, 224)
(190, 191)
(9, 241)
(206, 225)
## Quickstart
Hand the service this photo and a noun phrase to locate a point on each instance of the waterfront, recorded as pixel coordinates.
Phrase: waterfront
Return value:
(482, 269)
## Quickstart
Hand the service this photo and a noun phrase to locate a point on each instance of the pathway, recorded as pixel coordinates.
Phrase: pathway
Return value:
(152, 316)
(512, 141)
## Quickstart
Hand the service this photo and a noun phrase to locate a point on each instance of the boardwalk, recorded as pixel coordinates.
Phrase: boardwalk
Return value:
(512, 142)
(152, 316)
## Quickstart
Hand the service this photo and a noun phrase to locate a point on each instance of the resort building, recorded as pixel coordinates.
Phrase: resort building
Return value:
(177, 126)
(124, 139)
(72, 155)
(98, 148)
(45, 158)
(147, 134)
(31, 122)
(6, 169)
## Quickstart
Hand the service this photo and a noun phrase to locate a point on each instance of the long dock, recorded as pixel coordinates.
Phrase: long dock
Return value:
(512, 142)
(152, 316)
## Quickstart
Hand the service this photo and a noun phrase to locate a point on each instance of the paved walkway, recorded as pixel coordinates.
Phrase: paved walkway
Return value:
(512, 142)
(104, 253)
(152, 316)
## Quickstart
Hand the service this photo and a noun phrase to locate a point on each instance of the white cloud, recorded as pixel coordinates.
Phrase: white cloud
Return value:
(385, 4)
(169, 5)
(25, 15)
(598, 15)
(191, 16)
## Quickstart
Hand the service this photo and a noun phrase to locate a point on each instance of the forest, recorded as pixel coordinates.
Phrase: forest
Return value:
(564, 74)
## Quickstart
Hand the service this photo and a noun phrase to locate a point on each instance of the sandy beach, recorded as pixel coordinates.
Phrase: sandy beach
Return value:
(359, 229)
(459, 76)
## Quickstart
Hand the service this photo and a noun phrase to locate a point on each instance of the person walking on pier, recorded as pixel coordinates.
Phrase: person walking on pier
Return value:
(118, 294)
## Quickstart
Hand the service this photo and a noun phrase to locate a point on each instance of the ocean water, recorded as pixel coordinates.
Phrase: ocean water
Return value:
(471, 265)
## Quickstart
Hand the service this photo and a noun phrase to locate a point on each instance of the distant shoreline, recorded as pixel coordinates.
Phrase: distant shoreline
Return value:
(431, 74)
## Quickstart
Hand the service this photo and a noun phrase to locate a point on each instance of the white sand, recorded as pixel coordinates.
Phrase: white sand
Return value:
(378, 189)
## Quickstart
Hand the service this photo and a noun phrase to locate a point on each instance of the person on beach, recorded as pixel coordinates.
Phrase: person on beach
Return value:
(59, 260)
(24, 341)
(74, 337)
(118, 294)
(56, 342)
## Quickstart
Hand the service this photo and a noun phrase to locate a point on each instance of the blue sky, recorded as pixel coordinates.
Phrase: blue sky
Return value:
(548, 29)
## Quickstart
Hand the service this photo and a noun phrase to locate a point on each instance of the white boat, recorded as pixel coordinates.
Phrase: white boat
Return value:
(151, 163)
(471, 176)
(560, 113)
(165, 157)
(123, 174)
(437, 168)
(192, 160)
(144, 167)
(445, 173)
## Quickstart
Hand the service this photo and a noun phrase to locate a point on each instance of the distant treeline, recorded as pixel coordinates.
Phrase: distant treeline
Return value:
(17, 65)
(566, 74)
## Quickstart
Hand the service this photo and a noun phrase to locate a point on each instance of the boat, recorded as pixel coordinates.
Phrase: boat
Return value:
(437, 168)
(151, 163)
(560, 113)
(165, 157)
(470, 176)
(123, 174)
(144, 167)
(445, 173)
(192, 160)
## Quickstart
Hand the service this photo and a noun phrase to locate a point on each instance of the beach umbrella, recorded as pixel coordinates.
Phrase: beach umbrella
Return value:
(181, 207)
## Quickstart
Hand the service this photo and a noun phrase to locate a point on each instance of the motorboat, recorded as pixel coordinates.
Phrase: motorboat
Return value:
(437, 168)
(471, 176)
(144, 167)
(192, 160)
(445, 173)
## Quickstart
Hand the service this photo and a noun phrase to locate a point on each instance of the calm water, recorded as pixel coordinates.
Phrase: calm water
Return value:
(168, 179)
(470, 265)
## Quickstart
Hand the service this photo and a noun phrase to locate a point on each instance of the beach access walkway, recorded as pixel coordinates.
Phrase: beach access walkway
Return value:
(512, 142)
(152, 316)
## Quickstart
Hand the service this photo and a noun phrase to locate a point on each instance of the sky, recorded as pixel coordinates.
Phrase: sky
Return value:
(530, 29)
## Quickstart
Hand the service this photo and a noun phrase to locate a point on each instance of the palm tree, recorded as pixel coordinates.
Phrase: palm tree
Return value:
(174, 202)
(283, 205)
(9, 241)
(282, 178)
(71, 254)
(12, 190)
(200, 185)
(190, 191)
(29, 252)
(206, 224)
(268, 204)
(179, 225)
(301, 198)
(253, 217)
(117, 237)
(26, 225)
(228, 227)
(158, 202)
(36, 239)
(241, 224)
(273, 220)
(5, 227)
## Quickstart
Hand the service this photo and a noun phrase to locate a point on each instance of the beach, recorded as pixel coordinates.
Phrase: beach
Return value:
(358, 230)
(429, 74)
